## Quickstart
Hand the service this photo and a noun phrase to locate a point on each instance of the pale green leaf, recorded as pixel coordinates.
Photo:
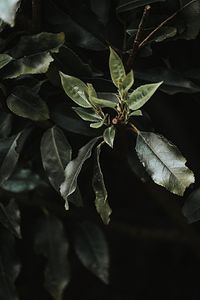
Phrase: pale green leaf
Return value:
(136, 113)
(128, 81)
(117, 70)
(73, 169)
(109, 135)
(87, 114)
(91, 91)
(102, 102)
(8, 9)
(75, 90)
(98, 124)
(101, 194)
(4, 60)
(163, 162)
(141, 95)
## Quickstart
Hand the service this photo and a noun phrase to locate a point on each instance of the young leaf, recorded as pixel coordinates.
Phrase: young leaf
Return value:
(73, 169)
(191, 208)
(4, 60)
(117, 70)
(87, 114)
(56, 154)
(10, 218)
(91, 91)
(128, 81)
(12, 155)
(109, 135)
(136, 113)
(103, 102)
(75, 90)
(101, 202)
(92, 250)
(50, 241)
(8, 9)
(98, 124)
(164, 163)
(24, 103)
(141, 95)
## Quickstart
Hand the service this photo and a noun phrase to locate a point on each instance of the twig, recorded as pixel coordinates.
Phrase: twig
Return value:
(136, 42)
(164, 22)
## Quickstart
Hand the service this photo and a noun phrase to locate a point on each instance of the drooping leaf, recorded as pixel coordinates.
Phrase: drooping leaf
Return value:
(141, 95)
(87, 114)
(10, 218)
(101, 194)
(109, 135)
(9, 266)
(24, 103)
(191, 208)
(92, 250)
(23, 180)
(73, 169)
(126, 5)
(163, 162)
(117, 70)
(12, 154)
(8, 9)
(51, 242)
(103, 102)
(5, 124)
(56, 154)
(98, 124)
(75, 90)
(4, 60)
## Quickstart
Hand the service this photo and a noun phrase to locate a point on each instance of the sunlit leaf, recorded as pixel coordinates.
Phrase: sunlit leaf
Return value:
(51, 242)
(24, 103)
(127, 82)
(117, 70)
(109, 135)
(75, 90)
(73, 169)
(141, 95)
(164, 163)
(8, 9)
(101, 194)
(92, 250)
(103, 102)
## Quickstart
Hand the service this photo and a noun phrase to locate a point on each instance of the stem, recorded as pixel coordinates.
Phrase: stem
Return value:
(136, 40)
(164, 22)
(134, 128)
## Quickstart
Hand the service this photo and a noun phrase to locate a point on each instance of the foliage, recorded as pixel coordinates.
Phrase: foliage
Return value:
(77, 87)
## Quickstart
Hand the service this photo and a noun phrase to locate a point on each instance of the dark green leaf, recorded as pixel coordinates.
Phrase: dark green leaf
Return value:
(109, 135)
(75, 90)
(101, 194)
(5, 124)
(73, 169)
(117, 70)
(191, 208)
(92, 250)
(164, 163)
(56, 153)
(11, 157)
(50, 241)
(126, 5)
(8, 9)
(191, 16)
(10, 218)
(24, 103)
(141, 95)
(4, 60)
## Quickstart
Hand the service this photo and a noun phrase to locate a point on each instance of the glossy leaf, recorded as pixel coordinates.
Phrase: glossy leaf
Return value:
(141, 95)
(5, 124)
(75, 90)
(8, 9)
(191, 208)
(128, 82)
(103, 103)
(87, 114)
(73, 169)
(163, 162)
(135, 113)
(92, 250)
(98, 124)
(51, 242)
(101, 194)
(117, 70)
(24, 103)
(10, 218)
(11, 157)
(109, 135)
(4, 60)
(56, 153)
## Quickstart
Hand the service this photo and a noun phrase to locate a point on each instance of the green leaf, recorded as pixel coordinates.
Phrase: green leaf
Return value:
(87, 114)
(4, 60)
(101, 202)
(103, 103)
(23, 180)
(117, 70)
(8, 9)
(141, 95)
(127, 5)
(24, 103)
(73, 169)
(5, 124)
(127, 82)
(51, 242)
(12, 154)
(10, 218)
(91, 91)
(136, 113)
(109, 135)
(191, 208)
(56, 153)
(75, 89)
(92, 250)
(98, 124)
(163, 162)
